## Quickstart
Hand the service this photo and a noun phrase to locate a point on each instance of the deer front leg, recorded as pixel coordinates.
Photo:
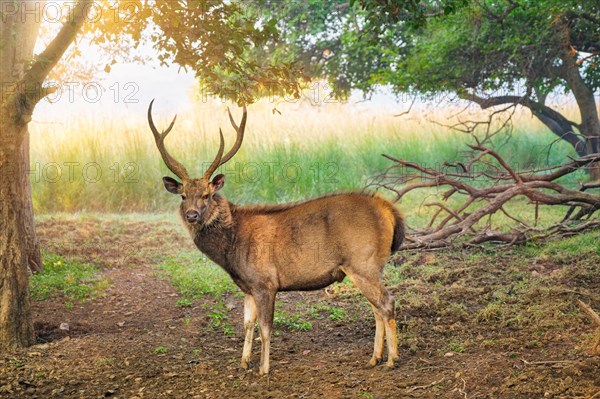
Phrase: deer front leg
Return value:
(265, 304)
(249, 323)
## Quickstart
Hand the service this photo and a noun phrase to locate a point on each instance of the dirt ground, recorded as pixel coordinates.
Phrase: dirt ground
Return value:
(470, 326)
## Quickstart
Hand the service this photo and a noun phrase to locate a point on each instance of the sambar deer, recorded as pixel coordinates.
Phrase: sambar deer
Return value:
(300, 246)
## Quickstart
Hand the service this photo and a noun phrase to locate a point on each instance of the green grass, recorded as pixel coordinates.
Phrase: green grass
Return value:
(364, 394)
(76, 282)
(160, 350)
(184, 303)
(291, 321)
(218, 315)
(334, 313)
(456, 347)
(195, 276)
(113, 165)
(586, 243)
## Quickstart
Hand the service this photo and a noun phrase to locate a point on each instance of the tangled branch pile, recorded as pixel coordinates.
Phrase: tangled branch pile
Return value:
(469, 222)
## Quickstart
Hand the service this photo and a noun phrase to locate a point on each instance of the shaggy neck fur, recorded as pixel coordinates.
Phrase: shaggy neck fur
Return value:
(215, 237)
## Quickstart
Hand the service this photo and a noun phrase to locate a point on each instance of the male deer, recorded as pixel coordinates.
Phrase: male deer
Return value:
(300, 246)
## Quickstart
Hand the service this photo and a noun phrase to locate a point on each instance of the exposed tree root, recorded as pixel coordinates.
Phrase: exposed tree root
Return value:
(595, 350)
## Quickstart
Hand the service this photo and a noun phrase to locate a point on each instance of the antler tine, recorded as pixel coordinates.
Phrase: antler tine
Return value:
(240, 135)
(159, 138)
(217, 161)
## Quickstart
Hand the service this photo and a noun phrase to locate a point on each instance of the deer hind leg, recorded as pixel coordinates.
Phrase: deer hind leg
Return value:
(392, 342)
(379, 337)
(249, 324)
(385, 313)
(265, 304)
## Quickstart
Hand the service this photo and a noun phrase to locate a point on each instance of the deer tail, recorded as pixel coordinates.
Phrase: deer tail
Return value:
(399, 229)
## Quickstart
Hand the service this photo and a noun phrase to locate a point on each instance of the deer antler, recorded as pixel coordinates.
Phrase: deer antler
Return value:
(217, 161)
(159, 138)
(220, 160)
(240, 135)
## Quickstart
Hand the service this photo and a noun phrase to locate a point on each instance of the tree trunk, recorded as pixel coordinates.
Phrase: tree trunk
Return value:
(16, 325)
(19, 247)
(32, 244)
(18, 34)
(21, 80)
(590, 122)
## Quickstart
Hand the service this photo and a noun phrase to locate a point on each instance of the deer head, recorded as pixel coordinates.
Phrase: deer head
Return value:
(199, 204)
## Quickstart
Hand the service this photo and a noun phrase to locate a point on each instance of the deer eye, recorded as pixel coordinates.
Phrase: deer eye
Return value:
(183, 197)
(204, 196)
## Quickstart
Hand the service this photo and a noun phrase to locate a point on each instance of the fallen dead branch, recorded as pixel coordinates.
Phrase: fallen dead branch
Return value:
(487, 183)
(595, 350)
(546, 362)
(463, 390)
(434, 383)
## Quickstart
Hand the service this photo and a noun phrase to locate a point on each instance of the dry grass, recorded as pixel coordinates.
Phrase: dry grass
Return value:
(110, 163)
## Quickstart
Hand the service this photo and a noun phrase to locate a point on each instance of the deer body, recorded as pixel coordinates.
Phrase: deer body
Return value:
(300, 246)
(303, 246)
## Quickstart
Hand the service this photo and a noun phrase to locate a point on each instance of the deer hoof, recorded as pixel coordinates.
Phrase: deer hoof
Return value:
(373, 362)
(390, 365)
(245, 364)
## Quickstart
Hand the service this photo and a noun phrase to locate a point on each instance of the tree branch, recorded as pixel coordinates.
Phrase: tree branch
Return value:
(35, 76)
(556, 122)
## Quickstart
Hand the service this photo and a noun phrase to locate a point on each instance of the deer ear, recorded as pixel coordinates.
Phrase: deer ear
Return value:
(172, 185)
(218, 181)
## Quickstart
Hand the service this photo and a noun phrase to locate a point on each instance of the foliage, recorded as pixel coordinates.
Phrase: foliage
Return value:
(234, 51)
(433, 47)
(411, 12)
(241, 50)
(493, 46)
(330, 41)
(513, 52)
(72, 280)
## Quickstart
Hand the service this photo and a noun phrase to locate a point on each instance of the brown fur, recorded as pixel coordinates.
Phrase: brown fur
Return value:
(300, 246)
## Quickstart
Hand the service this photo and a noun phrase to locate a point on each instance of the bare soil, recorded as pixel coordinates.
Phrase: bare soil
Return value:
(134, 342)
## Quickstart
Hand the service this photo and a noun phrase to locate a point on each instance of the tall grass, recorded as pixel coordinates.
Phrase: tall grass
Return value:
(101, 163)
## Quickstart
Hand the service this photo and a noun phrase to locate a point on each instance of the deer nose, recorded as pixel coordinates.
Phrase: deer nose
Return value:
(192, 216)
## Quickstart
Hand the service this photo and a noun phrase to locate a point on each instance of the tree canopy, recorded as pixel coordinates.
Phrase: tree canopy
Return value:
(451, 45)
(513, 52)
(234, 51)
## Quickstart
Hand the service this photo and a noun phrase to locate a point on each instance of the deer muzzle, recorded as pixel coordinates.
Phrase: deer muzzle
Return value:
(192, 216)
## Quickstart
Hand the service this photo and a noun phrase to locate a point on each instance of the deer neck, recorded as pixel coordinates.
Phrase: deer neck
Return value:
(216, 239)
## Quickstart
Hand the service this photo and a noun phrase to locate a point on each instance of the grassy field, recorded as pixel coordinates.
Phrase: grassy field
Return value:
(112, 165)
